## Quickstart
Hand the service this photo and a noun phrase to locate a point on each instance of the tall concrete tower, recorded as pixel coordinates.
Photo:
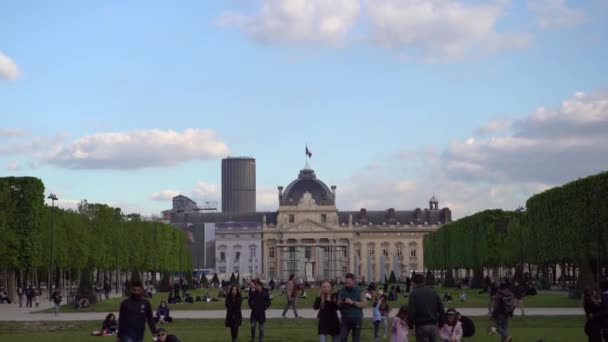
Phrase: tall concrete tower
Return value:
(238, 184)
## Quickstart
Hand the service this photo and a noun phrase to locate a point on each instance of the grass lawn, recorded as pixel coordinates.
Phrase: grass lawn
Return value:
(529, 329)
(545, 300)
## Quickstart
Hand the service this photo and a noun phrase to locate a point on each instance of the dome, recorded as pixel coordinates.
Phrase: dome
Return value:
(307, 182)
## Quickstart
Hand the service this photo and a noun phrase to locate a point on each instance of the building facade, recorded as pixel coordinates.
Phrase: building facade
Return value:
(238, 249)
(310, 238)
(238, 185)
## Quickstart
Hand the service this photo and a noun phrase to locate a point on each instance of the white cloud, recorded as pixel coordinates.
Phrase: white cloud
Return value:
(12, 132)
(549, 146)
(430, 29)
(493, 127)
(298, 21)
(442, 29)
(553, 14)
(164, 195)
(30, 145)
(137, 149)
(8, 68)
(13, 166)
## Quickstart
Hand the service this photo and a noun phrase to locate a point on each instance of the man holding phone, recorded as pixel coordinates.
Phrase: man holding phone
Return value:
(351, 301)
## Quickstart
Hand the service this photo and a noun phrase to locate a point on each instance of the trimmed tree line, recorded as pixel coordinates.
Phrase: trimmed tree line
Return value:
(561, 228)
(94, 244)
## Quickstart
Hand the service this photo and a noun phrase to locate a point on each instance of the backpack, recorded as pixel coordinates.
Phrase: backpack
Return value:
(508, 304)
(468, 327)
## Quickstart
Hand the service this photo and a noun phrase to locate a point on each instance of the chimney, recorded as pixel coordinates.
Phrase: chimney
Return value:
(333, 191)
(391, 216)
(363, 216)
(280, 188)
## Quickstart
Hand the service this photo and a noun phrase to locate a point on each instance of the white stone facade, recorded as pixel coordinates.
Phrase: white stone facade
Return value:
(238, 249)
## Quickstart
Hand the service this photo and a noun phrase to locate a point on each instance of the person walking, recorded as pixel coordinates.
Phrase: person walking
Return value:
(399, 327)
(56, 297)
(451, 331)
(234, 316)
(291, 291)
(592, 304)
(351, 301)
(29, 295)
(385, 310)
(518, 293)
(376, 317)
(20, 295)
(425, 311)
(504, 304)
(134, 312)
(329, 322)
(259, 302)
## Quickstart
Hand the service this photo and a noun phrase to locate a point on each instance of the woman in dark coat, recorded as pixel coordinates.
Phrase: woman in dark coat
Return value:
(327, 304)
(592, 304)
(234, 317)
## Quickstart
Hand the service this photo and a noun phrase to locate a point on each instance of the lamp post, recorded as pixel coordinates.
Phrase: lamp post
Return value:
(53, 198)
(519, 210)
(596, 220)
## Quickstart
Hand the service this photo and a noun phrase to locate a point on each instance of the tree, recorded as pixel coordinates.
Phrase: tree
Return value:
(233, 279)
(215, 280)
(204, 281)
(392, 279)
(430, 278)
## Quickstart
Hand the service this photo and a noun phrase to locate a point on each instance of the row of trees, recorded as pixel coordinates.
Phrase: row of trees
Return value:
(89, 243)
(561, 227)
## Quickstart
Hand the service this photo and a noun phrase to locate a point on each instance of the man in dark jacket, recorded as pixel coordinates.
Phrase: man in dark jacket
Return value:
(259, 301)
(503, 309)
(134, 312)
(425, 311)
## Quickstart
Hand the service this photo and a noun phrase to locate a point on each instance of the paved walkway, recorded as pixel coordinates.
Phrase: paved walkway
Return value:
(12, 313)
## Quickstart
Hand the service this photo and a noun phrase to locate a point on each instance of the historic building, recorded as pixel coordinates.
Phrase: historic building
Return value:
(238, 249)
(308, 236)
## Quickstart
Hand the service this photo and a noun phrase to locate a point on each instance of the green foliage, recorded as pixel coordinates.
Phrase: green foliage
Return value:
(233, 280)
(215, 280)
(96, 236)
(204, 281)
(563, 220)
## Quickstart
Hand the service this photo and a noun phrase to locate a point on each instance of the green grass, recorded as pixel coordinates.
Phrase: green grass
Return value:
(475, 300)
(554, 329)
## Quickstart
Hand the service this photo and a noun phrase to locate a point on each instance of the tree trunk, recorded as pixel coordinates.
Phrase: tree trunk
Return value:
(11, 287)
(563, 268)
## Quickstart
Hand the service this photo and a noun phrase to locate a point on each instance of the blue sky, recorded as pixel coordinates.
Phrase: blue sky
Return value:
(397, 99)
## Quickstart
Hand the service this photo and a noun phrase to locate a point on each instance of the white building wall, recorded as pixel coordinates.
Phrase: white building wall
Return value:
(239, 237)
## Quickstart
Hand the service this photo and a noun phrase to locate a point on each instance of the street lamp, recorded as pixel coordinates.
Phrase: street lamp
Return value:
(596, 219)
(53, 198)
(520, 209)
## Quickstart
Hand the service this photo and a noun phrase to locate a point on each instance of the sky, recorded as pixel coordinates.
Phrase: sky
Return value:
(481, 103)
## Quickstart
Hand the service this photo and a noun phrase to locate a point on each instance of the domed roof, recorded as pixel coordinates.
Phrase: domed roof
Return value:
(307, 182)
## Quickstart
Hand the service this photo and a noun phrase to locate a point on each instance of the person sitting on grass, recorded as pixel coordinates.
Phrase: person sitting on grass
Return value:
(83, 303)
(108, 327)
(162, 336)
(447, 297)
(463, 296)
(162, 314)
